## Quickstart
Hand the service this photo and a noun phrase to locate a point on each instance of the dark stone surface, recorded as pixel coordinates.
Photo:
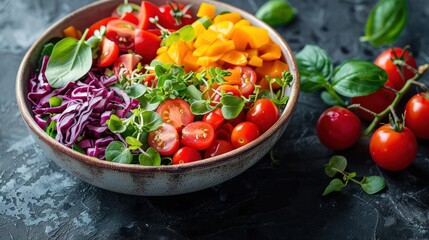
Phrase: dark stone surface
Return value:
(38, 200)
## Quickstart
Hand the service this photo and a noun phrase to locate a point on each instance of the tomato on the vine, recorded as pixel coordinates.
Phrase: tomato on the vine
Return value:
(244, 133)
(264, 114)
(198, 135)
(392, 149)
(185, 155)
(109, 52)
(375, 102)
(165, 140)
(338, 128)
(146, 44)
(175, 17)
(417, 115)
(218, 147)
(122, 33)
(176, 112)
(384, 61)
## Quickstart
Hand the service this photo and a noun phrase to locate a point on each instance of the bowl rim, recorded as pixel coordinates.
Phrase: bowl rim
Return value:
(22, 83)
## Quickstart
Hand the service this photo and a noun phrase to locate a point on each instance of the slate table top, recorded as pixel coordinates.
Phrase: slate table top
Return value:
(38, 200)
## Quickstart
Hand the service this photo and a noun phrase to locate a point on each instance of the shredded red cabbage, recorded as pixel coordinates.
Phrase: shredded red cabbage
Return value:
(87, 105)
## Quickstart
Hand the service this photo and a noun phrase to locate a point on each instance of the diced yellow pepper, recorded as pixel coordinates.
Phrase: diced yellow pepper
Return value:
(206, 38)
(220, 47)
(270, 52)
(177, 51)
(190, 62)
(272, 69)
(233, 17)
(256, 36)
(235, 57)
(252, 52)
(161, 50)
(234, 78)
(256, 61)
(164, 58)
(71, 31)
(206, 10)
(242, 22)
(208, 61)
(190, 45)
(198, 27)
(240, 40)
(224, 27)
(201, 50)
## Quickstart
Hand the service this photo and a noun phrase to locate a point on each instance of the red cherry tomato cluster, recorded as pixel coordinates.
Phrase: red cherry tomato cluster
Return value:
(392, 146)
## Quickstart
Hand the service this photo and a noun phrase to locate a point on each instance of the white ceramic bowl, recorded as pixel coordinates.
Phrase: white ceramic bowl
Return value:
(143, 180)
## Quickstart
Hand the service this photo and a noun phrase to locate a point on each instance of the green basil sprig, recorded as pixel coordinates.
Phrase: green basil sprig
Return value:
(353, 78)
(276, 12)
(385, 22)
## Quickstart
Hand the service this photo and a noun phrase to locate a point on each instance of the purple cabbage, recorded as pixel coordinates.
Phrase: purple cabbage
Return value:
(87, 105)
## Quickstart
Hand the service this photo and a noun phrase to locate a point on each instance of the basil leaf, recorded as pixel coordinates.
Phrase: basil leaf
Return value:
(356, 78)
(334, 186)
(328, 99)
(150, 158)
(276, 12)
(315, 68)
(117, 152)
(70, 60)
(373, 184)
(335, 164)
(385, 22)
(231, 106)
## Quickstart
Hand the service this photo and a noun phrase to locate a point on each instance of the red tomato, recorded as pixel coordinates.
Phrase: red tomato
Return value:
(186, 155)
(174, 17)
(165, 140)
(393, 150)
(248, 80)
(97, 26)
(149, 10)
(384, 61)
(149, 80)
(176, 112)
(109, 52)
(130, 17)
(240, 118)
(125, 64)
(215, 118)
(244, 133)
(146, 44)
(224, 132)
(198, 135)
(338, 128)
(226, 89)
(122, 33)
(376, 102)
(218, 147)
(264, 114)
(417, 115)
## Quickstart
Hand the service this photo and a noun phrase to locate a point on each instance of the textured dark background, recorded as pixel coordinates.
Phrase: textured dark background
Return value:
(38, 200)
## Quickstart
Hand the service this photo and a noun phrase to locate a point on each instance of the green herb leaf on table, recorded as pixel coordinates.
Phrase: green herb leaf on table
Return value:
(117, 152)
(335, 185)
(276, 12)
(385, 22)
(373, 184)
(335, 164)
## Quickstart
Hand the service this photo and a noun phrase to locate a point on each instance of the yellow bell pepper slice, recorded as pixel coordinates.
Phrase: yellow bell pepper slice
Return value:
(71, 31)
(235, 57)
(177, 51)
(233, 17)
(270, 52)
(256, 61)
(220, 47)
(256, 36)
(190, 62)
(201, 50)
(272, 69)
(208, 61)
(224, 27)
(206, 38)
(164, 58)
(240, 39)
(206, 10)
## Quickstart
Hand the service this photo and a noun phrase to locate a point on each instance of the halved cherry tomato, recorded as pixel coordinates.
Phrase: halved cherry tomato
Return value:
(417, 115)
(185, 155)
(146, 44)
(384, 61)
(174, 17)
(375, 102)
(165, 139)
(176, 112)
(130, 17)
(215, 118)
(108, 53)
(198, 135)
(125, 64)
(264, 114)
(244, 133)
(248, 80)
(122, 33)
(149, 10)
(393, 150)
(218, 147)
(225, 89)
(97, 26)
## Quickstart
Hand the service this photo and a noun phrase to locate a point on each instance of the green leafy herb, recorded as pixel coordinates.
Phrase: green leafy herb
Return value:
(47, 51)
(276, 12)
(51, 129)
(117, 152)
(231, 106)
(385, 22)
(70, 60)
(337, 164)
(78, 149)
(127, 8)
(186, 34)
(150, 158)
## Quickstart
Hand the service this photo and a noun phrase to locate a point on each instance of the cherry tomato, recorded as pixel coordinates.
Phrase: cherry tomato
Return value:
(338, 128)
(240, 118)
(198, 135)
(384, 61)
(174, 17)
(244, 133)
(376, 102)
(248, 80)
(224, 132)
(146, 44)
(264, 114)
(165, 140)
(215, 118)
(122, 33)
(130, 17)
(109, 52)
(417, 115)
(185, 155)
(97, 26)
(393, 150)
(218, 147)
(226, 89)
(149, 10)
(176, 112)
(125, 64)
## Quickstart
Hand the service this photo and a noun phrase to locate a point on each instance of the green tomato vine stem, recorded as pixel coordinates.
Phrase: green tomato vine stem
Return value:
(399, 94)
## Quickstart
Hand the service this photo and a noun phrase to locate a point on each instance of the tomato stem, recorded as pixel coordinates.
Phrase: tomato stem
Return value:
(399, 94)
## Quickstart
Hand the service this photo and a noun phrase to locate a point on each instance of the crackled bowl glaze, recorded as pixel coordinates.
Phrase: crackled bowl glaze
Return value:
(143, 180)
